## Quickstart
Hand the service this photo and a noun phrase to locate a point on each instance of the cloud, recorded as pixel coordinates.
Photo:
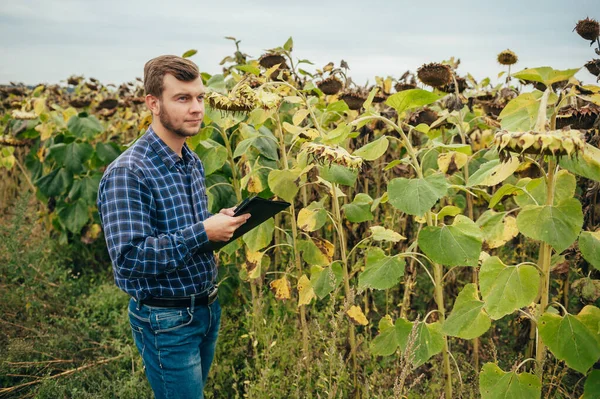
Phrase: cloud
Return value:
(112, 39)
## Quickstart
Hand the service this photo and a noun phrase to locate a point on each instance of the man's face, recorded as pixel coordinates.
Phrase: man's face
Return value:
(181, 108)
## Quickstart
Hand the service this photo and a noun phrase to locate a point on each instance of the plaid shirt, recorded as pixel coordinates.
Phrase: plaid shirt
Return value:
(152, 203)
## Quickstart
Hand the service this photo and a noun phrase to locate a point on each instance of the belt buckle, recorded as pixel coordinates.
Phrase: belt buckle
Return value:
(212, 296)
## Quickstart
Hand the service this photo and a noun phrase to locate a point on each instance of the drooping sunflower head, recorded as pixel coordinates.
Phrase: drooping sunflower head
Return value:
(435, 74)
(593, 67)
(588, 28)
(327, 155)
(556, 142)
(507, 57)
(269, 60)
(241, 99)
(331, 85)
(353, 99)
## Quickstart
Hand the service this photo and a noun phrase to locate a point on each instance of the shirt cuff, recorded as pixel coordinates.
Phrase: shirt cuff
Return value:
(195, 236)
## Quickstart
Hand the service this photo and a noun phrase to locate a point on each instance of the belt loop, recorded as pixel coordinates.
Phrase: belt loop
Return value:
(138, 304)
(192, 300)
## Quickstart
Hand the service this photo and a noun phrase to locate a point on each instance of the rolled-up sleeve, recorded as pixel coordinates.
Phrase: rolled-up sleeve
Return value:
(125, 205)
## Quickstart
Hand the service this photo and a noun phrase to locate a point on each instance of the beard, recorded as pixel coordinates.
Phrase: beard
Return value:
(165, 120)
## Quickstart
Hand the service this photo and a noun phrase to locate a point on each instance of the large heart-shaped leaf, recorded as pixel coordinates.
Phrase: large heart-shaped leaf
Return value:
(284, 183)
(373, 150)
(55, 182)
(456, 245)
(386, 342)
(359, 210)
(107, 152)
(409, 99)
(591, 389)
(589, 245)
(545, 75)
(338, 174)
(74, 216)
(212, 154)
(72, 156)
(316, 251)
(558, 225)
(497, 228)
(381, 271)
(417, 196)
(86, 189)
(507, 288)
(521, 112)
(494, 383)
(429, 339)
(564, 188)
(313, 217)
(493, 172)
(325, 280)
(586, 164)
(84, 125)
(261, 236)
(382, 234)
(574, 339)
(467, 320)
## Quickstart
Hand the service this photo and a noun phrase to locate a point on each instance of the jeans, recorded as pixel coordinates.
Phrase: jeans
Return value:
(177, 346)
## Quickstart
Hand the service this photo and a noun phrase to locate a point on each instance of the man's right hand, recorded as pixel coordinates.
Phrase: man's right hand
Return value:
(220, 227)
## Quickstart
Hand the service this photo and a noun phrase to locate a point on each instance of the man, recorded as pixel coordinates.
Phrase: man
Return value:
(154, 211)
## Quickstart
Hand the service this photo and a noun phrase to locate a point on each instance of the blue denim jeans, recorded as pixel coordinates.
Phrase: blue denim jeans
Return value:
(177, 346)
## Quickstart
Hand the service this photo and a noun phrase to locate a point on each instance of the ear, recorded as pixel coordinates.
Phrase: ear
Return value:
(153, 104)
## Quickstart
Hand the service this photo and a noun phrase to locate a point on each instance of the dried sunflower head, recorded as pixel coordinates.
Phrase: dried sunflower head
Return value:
(593, 67)
(269, 60)
(331, 85)
(404, 86)
(325, 154)
(556, 142)
(241, 99)
(588, 28)
(507, 57)
(435, 74)
(353, 99)
(450, 88)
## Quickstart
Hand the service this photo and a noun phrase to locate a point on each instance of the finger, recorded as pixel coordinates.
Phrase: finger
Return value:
(241, 219)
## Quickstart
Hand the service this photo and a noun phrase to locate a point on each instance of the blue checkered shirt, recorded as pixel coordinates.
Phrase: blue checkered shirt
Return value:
(152, 203)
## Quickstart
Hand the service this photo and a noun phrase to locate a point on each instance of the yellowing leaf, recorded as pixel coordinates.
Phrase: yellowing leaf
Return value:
(252, 264)
(299, 116)
(45, 130)
(145, 122)
(450, 162)
(307, 219)
(382, 234)
(281, 288)
(357, 316)
(325, 247)
(69, 113)
(305, 291)
(39, 106)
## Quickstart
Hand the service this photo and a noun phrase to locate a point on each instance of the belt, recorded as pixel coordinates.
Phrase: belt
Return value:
(182, 302)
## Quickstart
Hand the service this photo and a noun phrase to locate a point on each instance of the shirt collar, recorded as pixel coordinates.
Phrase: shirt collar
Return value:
(166, 153)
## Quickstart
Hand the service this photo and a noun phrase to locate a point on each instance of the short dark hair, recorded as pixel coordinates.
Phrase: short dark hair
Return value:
(156, 69)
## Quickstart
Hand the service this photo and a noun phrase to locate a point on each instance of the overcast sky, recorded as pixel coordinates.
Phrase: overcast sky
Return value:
(49, 40)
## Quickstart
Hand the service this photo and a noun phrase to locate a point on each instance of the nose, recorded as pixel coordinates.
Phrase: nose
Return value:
(197, 105)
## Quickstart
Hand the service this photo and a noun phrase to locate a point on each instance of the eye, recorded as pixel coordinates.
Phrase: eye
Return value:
(182, 98)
